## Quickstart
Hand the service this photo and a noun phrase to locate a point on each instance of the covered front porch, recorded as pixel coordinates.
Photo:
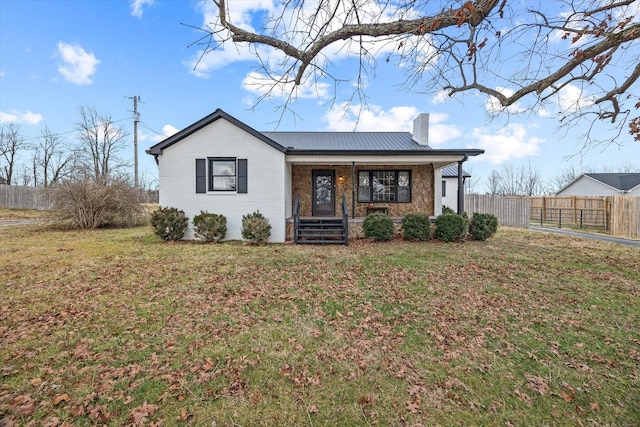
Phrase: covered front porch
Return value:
(326, 192)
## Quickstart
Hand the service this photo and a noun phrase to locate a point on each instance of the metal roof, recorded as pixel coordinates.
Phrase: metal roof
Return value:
(346, 141)
(323, 143)
(619, 181)
(451, 171)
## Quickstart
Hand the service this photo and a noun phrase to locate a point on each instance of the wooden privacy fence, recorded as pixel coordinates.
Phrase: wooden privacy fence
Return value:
(20, 197)
(582, 211)
(618, 215)
(510, 211)
(625, 216)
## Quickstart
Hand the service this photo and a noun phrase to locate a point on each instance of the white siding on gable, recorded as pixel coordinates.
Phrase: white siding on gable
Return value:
(585, 186)
(266, 178)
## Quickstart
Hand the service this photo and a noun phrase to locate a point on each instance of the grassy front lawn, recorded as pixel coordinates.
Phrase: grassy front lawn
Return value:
(114, 327)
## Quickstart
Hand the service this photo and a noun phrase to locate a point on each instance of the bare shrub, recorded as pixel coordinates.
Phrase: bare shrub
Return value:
(88, 204)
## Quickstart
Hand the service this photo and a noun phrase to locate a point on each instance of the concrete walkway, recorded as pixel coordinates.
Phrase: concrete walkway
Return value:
(618, 240)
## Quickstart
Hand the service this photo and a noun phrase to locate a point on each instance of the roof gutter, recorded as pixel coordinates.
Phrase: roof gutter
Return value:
(464, 153)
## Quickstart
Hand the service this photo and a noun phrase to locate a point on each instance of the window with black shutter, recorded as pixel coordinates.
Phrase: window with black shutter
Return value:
(221, 174)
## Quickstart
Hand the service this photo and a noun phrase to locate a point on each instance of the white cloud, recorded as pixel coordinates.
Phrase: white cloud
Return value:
(493, 106)
(243, 14)
(439, 131)
(28, 118)
(509, 142)
(572, 99)
(261, 85)
(78, 66)
(202, 64)
(167, 131)
(137, 5)
(440, 97)
(372, 118)
(543, 112)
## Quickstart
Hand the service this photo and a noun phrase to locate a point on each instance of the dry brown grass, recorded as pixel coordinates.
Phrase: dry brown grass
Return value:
(114, 327)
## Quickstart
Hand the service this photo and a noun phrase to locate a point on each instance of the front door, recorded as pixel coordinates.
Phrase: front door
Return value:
(323, 193)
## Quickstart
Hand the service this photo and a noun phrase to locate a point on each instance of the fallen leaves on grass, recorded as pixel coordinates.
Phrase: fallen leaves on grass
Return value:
(142, 333)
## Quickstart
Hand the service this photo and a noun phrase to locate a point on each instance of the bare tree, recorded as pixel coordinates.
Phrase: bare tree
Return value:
(516, 181)
(471, 182)
(11, 142)
(23, 176)
(523, 55)
(493, 183)
(100, 140)
(51, 159)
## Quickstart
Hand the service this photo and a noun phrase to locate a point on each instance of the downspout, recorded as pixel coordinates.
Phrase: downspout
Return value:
(461, 185)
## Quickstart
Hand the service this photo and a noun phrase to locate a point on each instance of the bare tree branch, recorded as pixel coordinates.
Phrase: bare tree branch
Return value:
(512, 51)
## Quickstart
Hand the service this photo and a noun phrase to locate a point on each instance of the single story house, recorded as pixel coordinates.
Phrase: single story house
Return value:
(221, 165)
(603, 184)
(450, 185)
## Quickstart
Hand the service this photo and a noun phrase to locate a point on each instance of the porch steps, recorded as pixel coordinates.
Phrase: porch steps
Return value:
(321, 231)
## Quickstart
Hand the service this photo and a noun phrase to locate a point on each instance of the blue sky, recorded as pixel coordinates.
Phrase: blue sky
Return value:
(56, 56)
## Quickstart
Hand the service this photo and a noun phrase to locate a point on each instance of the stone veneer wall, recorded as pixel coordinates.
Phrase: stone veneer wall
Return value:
(421, 189)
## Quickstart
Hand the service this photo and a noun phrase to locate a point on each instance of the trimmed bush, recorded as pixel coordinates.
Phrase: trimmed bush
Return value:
(169, 223)
(447, 210)
(378, 227)
(450, 227)
(416, 226)
(256, 228)
(210, 227)
(482, 226)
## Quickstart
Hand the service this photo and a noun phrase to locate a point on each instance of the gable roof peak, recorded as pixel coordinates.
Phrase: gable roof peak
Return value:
(216, 115)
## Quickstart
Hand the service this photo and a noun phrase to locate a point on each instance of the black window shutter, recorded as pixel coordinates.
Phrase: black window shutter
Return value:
(242, 175)
(201, 175)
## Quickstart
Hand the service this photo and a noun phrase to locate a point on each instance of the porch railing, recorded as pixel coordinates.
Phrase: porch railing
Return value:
(345, 220)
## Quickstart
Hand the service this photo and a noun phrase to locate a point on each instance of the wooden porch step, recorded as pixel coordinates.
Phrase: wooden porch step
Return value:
(321, 231)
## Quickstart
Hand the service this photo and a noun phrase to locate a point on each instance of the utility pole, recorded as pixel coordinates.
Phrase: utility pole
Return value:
(136, 119)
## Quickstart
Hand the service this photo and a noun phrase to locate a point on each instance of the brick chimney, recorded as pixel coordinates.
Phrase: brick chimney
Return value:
(421, 129)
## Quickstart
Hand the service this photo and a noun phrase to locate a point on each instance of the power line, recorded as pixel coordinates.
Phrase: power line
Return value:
(146, 126)
(29, 138)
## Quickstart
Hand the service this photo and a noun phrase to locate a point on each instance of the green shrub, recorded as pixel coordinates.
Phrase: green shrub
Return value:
(210, 227)
(447, 210)
(416, 226)
(169, 223)
(378, 227)
(450, 227)
(482, 226)
(256, 228)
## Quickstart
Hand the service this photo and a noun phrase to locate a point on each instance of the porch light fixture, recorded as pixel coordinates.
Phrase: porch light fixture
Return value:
(341, 178)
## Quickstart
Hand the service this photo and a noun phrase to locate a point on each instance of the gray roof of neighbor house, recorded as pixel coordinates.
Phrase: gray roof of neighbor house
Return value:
(322, 143)
(619, 181)
(451, 171)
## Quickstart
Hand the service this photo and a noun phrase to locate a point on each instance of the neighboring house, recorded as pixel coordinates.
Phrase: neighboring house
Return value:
(221, 165)
(603, 184)
(450, 185)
